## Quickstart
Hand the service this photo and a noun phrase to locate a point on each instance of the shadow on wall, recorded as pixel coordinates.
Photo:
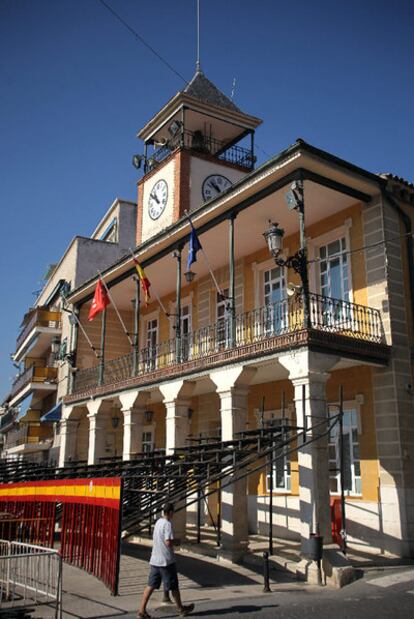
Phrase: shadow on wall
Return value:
(364, 524)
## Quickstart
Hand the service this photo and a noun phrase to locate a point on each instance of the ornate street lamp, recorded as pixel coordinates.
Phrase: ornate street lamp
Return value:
(298, 262)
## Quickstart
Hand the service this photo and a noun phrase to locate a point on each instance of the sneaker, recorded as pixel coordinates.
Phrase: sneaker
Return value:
(186, 610)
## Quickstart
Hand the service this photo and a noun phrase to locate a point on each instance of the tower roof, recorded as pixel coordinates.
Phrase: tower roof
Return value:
(201, 88)
(200, 96)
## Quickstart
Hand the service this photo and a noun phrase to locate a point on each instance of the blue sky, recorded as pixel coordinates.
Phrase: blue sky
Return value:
(76, 86)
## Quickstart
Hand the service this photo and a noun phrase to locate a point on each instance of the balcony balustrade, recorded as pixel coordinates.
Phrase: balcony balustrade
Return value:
(26, 435)
(277, 325)
(198, 142)
(8, 419)
(32, 374)
(39, 318)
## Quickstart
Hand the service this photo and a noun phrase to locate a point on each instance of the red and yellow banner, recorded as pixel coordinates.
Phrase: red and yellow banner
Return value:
(103, 491)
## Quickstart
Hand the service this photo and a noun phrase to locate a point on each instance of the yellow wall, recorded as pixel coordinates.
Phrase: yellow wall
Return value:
(355, 381)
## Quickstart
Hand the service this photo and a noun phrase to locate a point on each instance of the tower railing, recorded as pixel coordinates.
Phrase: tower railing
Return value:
(204, 144)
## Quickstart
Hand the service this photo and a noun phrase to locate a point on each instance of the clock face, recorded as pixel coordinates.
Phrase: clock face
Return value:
(213, 185)
(157, 200)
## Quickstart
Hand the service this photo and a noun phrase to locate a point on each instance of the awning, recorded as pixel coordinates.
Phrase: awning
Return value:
(54, 414)
(24, 407)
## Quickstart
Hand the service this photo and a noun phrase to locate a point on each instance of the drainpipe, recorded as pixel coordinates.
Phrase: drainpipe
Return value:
(409, 241)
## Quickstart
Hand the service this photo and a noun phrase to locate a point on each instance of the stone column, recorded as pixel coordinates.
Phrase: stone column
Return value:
(133, 406)
(133, 428)
(177, 401)
(308, 373)
(232, 389)
(68, 437)
(97, 416)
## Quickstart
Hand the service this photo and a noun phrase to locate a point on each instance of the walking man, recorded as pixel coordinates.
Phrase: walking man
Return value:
(163, 566)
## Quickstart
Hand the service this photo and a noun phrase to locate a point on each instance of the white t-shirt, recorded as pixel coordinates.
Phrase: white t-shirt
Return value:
(161, 554)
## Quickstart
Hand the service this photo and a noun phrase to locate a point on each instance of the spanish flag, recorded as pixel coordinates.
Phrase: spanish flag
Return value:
(145, 283)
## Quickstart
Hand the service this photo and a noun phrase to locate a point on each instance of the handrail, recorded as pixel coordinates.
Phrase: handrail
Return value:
(198, 142)
(32, 374)
(39, 318)
(284, 317)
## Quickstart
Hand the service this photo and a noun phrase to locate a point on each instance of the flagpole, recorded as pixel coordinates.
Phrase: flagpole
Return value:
(137, 308)
(101, 369)
(153, 290)
(87, 338)
(206, 259)
(116, 309)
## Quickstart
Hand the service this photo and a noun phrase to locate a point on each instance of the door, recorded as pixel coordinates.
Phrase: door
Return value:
(223, 320)
(185, 332)
(151, 344)
(275, 310)
(335, 285)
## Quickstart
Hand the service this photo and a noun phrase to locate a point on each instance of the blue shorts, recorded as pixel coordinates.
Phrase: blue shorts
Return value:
(167, 574)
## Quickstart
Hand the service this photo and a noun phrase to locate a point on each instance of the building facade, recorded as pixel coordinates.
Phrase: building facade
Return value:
(240, 339)
(31, 416)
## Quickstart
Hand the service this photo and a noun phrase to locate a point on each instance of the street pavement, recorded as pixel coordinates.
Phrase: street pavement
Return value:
(221, 590)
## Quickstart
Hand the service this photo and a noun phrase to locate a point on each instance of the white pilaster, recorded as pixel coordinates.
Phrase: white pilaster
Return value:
(133, 428)
(68, 437)
(308, 372)
(97, 416)
(133, 406)
(177, 401)
(232, 389)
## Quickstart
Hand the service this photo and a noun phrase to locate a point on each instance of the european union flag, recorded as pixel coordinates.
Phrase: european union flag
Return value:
(194, 246)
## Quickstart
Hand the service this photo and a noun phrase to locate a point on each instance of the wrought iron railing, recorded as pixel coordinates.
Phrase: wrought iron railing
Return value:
(39, 318)
(201, 143)
(32, 374)
(278, 319)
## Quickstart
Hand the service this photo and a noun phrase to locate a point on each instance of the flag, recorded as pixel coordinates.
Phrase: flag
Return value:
(145, 283)
(100, 300)
(194, 247)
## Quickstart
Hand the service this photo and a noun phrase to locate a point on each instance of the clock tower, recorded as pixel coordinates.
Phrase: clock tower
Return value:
(195, 148)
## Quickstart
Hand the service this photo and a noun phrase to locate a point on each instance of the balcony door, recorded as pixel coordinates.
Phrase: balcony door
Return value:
(185, 331)
(335, 284)
(275, 301)
(223, 320)
(151, 344)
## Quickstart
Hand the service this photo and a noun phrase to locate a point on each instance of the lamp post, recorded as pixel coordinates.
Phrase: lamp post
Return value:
(298, 262)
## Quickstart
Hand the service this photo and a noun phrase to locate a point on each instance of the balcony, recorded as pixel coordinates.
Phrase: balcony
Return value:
(27, 437)
(8, 419)
(337, 326)
(44, 324)
(32, 378)
(196, 141)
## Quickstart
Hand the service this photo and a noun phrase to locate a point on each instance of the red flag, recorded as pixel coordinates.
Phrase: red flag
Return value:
(100, 300)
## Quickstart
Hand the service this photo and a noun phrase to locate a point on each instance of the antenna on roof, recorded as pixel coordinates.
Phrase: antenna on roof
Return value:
(233, 88)
(198, 67)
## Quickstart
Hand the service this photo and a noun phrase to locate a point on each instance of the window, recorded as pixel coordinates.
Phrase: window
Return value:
(281, 466)
(110, 234)
(352, 465)
(147, 441)
(275, 301)
(223, 320)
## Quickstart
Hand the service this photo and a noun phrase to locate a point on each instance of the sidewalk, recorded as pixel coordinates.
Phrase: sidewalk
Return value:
(202, 579)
